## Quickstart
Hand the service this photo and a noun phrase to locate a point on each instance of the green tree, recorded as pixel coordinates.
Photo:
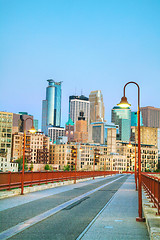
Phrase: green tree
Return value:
(66, 168)
(47, 167)
(31, 167)
(20, 164)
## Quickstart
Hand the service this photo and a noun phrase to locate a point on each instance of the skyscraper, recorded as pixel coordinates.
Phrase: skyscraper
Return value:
(97, 110)
(79, 104)
(122, 117)
(134, 119)
(81, 132)
(151, 116)
(51, 107)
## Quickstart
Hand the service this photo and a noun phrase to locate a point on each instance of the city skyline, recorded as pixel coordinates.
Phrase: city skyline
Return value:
(87, 45)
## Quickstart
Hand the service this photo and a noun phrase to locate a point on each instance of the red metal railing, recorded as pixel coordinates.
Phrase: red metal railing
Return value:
(11, 180)
(152, 186)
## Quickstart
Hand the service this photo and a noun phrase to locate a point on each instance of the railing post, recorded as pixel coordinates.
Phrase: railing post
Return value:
(46, 177)
(31, 177)
(39, 177)
(9, 181)
(158, 196)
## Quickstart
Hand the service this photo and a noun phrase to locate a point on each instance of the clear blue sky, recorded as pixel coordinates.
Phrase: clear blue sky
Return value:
(87, 44)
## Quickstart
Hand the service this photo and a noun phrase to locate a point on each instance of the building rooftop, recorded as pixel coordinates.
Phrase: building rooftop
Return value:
(82, 97)
(70, 122)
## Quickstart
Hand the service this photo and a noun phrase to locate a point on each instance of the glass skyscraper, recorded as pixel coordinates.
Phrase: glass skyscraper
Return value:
(134, 119)
(122, 117)
(51, 107)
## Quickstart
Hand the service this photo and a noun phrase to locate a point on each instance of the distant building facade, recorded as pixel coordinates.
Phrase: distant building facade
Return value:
(134, 119)
(6, 124)
(69, 130)
(18, 122)
(55, 132)
(61, 155)
(79, 104)
(51, 107)
(149, 155)
(6, 164)
(148, 135)
(81, 132)
(113, 162)
(122, 118)
(151, 116)
(97, 110)
(35, 123)
(103, 133)
(36, 148)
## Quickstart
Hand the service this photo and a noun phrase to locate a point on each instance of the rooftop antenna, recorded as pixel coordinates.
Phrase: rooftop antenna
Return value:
(75, 91)
(81, 92)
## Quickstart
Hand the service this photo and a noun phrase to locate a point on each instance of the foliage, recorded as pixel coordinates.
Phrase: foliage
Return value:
(20, 164)
(66, 168)
(51, 168)
(31, 167)
(47, 167)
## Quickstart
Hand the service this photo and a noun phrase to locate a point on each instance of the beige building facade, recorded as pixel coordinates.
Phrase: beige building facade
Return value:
(149, 156)
(149, 135)
(6, 123)
(113, 162)
(81, 132)
(36, 147)
(61, 155)
(97, 110)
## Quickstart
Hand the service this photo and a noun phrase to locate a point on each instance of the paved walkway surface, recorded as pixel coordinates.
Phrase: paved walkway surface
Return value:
(118, 220)
(22, 199)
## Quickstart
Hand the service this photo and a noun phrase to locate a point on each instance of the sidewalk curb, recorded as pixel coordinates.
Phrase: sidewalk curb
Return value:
(152, 220)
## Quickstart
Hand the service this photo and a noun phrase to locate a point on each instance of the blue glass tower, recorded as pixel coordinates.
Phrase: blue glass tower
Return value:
(122, 117)
(51, 107)
(134, 119)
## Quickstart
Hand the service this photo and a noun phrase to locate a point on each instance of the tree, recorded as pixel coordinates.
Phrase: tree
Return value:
(20, 164)
(47, 167)
(31, 167)
(66, 168)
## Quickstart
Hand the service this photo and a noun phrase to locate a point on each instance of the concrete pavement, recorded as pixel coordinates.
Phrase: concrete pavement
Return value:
(118, 218)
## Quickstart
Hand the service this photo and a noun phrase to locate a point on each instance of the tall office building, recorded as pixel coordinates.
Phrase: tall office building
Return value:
(103, 133)
(97, 110)
(35, 123)
(18, 122)
(151, 116)
(134, 119)
(55, 132)
(79, 104)
(122, 117)
(51, 107)
(81, 133)
(6, 124)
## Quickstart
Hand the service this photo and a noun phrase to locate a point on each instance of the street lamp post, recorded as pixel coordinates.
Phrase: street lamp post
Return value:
(124, 103)
(32, 130)
(135, 167)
